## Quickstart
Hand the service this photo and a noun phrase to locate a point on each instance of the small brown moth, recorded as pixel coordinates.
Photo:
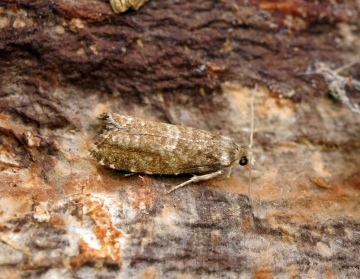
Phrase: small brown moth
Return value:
(138, 145)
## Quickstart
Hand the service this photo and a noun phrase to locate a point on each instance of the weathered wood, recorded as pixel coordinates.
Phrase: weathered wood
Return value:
(63, 63)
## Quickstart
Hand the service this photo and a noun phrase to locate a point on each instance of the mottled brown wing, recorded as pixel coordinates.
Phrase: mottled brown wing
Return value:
(143, 146)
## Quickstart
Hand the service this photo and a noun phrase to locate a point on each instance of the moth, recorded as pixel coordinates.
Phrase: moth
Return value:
(138, 145)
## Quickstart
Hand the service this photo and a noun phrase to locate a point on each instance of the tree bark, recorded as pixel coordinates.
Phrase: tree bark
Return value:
(194, 63)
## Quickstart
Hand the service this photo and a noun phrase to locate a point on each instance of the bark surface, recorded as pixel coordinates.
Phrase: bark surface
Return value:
(63, 63)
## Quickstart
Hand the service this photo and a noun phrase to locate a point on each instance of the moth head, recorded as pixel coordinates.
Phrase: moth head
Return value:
(245, 155)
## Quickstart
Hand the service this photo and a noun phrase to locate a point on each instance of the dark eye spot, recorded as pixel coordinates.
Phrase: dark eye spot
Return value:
(243, 161)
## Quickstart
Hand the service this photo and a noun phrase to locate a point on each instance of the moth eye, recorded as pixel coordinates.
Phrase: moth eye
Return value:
(243, 161)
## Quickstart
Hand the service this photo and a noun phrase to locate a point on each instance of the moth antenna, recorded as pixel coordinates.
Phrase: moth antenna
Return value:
(252, 115)
(251, 137)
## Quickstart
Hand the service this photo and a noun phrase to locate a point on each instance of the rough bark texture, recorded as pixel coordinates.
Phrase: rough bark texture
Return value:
(63, 63)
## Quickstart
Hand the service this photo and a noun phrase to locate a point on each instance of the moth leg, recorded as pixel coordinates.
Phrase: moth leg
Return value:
(229, 172)
(196, 178)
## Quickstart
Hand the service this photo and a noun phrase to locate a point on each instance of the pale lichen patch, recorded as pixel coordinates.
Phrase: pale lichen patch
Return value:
(41, 213)
(4, 22)
(140, 43)
(76, 24)
(94, 50)
(60, 30)
(120, 6)
(19, 23)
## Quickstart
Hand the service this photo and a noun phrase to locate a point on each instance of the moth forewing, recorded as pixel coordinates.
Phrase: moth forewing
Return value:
(141, 146)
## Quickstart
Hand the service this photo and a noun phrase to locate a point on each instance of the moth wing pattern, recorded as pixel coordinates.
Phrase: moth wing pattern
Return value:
(143, 146)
